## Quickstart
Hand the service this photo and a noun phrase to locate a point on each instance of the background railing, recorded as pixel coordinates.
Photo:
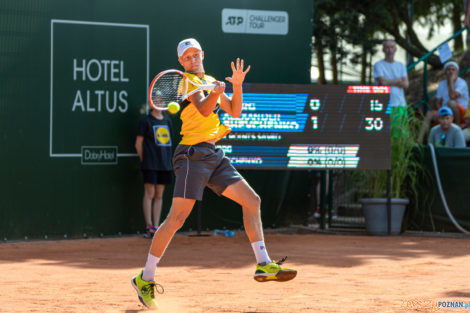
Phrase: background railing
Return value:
(424, 59)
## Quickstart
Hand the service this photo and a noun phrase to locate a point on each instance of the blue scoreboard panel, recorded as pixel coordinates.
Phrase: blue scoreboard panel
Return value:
(310, 127)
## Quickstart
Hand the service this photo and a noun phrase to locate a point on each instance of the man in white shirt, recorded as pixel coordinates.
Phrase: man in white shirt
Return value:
(388, 72)
(452, 92)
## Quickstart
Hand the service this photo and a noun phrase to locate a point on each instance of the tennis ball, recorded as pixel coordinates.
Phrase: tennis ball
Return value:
(173, 107)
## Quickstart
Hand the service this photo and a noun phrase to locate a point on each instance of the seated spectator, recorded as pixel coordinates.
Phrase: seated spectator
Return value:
(446, 134)
(451, 92)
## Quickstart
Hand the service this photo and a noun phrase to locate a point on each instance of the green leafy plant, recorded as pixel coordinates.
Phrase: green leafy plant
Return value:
(406, 163)
(407, 172)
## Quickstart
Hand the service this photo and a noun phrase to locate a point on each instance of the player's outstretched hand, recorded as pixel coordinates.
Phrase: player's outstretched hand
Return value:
(238, 75)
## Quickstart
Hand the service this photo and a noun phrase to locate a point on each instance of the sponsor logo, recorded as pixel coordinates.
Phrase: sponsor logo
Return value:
(162, 135)
(99, 155)
(234, 20)
(255, 22)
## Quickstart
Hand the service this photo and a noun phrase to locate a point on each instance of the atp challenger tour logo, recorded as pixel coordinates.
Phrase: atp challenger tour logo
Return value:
(99, 78)
(234, 20)
(255, 22)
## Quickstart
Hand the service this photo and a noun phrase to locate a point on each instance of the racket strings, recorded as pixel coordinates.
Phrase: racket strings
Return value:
(167, 88)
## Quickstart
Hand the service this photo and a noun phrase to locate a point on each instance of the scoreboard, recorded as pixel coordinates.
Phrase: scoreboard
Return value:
(310, 127)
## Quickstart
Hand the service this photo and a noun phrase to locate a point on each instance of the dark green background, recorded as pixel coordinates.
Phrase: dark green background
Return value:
(427, 211)
(42, 195)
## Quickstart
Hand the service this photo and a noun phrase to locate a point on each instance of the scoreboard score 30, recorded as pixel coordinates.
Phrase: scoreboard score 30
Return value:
(310, 127)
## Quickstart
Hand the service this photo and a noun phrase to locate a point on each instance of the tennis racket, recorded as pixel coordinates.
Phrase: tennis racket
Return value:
(172, 86)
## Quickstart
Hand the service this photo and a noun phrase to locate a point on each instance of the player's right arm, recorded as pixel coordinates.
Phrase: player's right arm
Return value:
(206, 104)
(139, 140)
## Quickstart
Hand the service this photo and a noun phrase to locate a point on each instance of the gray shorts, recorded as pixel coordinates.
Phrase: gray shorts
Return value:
(199, 166)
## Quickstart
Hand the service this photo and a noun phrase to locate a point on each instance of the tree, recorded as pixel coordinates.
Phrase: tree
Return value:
(457, 10)
(318, 44)
(319, 36)
(358, 23)
(392, 16)
(337, 22)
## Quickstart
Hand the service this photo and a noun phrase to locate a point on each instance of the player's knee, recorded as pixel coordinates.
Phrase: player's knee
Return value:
(256, 200)
(253, 205)
(176, 221)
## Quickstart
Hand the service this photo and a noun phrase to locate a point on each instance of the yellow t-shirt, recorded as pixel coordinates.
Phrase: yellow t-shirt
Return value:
(196, 128)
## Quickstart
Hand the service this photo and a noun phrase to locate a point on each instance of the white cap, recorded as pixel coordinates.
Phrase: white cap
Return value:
(187, 43)
(451, 63)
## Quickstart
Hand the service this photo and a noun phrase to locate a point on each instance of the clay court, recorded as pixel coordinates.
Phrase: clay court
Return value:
(214, 274)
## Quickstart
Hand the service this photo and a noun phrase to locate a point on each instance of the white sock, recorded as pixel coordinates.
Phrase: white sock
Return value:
(260, 252)
(150, 268)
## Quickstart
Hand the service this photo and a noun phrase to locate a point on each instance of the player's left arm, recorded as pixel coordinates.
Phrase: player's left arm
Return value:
(233, 106)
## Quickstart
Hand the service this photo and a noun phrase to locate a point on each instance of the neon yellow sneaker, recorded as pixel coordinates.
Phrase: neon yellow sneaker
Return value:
(146, 291)
(274, 272)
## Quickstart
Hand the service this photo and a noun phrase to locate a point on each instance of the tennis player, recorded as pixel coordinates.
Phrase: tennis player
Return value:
(198, 163)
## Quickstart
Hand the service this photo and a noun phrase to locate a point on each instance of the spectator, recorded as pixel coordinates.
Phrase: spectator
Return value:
(388, 72)
(446, 134)
(153, 145)
(451, 92)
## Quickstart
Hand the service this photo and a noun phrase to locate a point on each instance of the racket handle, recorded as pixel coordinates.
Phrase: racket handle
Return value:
(208, 87)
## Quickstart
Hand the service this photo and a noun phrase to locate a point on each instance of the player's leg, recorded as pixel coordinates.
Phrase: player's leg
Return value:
(243, 194)
(179, 211)
(163, 178)
(144, 282)
(266, 270)
(191, 178)
(157, 204)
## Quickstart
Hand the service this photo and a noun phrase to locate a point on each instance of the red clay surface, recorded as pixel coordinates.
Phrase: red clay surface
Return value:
(214, 274)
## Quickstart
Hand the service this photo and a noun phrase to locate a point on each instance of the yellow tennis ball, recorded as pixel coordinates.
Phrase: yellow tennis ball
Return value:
(173, 107)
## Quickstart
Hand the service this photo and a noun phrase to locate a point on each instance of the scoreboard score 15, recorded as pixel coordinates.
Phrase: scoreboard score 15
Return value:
(310, 127)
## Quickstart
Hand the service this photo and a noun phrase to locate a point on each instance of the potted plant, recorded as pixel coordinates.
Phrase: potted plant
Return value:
(404, 168)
